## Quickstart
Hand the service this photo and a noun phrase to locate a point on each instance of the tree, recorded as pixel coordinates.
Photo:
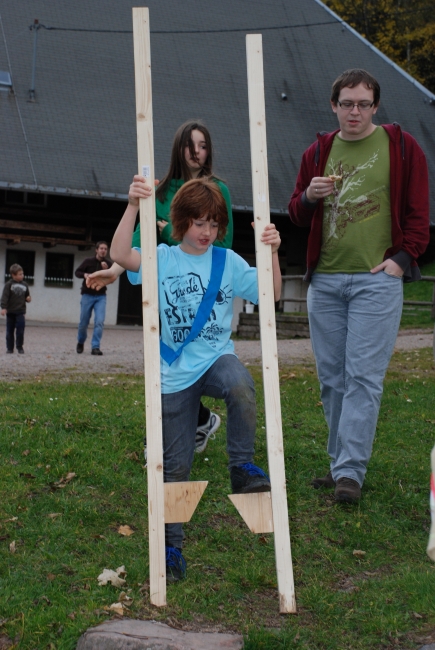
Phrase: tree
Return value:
(404, 30)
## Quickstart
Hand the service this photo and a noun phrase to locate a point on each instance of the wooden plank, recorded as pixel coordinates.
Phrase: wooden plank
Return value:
(46, 227)
(153, 408)
(181, 500)
(255, 509)
(275, 448)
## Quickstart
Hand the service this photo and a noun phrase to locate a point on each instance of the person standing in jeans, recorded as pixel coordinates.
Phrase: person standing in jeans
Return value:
(363, 191)
(13, 306)
(92, 299)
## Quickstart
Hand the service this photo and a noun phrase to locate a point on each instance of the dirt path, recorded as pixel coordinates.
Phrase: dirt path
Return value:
(51, 348)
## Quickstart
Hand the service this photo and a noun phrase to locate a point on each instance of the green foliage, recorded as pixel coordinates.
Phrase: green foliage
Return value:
(65, 536)
(404, 30)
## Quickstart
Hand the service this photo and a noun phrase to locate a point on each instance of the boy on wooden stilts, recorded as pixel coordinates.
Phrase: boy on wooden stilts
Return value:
(197, 283)
(191, 157)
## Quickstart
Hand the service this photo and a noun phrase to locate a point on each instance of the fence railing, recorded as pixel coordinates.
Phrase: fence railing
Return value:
(415, 303)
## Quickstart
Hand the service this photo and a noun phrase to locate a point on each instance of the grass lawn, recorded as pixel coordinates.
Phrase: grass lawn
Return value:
(58, 532)
(413, 315)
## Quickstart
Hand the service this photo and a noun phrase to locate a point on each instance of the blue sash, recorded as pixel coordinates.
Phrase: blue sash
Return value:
(204, 310)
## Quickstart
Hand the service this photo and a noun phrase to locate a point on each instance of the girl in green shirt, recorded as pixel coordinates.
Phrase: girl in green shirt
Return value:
(191, 157)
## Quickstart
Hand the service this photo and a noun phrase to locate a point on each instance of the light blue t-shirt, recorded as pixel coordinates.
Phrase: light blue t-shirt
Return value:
(182, 282)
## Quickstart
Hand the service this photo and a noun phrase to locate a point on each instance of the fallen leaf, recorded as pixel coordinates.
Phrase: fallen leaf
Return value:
(125, 530)
(57, 485)
(114, 577)
(26, 475)
(51, 576)
(417, 615)
(358, 553)
(12, 547)
(319, 404)
(26, 452)
(11, 519)
(125, 599)
(6, 642)
(53, 515)
(117, 608)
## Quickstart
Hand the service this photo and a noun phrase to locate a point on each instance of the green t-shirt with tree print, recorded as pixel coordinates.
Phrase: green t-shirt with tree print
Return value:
(357, 216)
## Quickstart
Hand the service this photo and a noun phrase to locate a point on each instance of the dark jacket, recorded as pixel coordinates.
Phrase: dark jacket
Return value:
(14, 297)
(409, 197)
(90, 265)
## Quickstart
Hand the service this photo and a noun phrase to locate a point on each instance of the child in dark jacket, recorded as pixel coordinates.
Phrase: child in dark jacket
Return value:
(13, 306)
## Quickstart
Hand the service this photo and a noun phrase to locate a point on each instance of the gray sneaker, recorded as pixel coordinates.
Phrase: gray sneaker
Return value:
(206, 432)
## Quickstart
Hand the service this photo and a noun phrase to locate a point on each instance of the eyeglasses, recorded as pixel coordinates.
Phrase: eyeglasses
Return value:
(362, 106)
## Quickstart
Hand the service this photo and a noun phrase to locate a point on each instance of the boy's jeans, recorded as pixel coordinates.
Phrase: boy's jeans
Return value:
(354, 319)
(226, 379)
(15, 322)
(87, 304)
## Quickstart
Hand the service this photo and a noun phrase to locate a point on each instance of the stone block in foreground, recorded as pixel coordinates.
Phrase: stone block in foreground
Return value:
(129, 634)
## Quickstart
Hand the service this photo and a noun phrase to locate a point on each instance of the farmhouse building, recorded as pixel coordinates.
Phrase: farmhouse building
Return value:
(67, 114)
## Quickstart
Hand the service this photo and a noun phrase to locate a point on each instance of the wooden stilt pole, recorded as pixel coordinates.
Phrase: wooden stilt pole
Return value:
(167, 502)
(153, 408)
(269, 349)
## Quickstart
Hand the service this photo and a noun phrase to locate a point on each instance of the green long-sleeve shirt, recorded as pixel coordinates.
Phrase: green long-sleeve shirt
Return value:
(163, 210)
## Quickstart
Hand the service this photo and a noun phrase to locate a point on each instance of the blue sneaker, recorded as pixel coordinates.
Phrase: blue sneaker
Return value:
(249, 478)
(175, 564)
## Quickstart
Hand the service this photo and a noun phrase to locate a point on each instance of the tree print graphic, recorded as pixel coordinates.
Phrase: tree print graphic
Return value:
(349, 203)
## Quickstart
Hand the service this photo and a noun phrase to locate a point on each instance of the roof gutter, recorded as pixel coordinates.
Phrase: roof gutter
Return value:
(374, 49)
(89, 194)
(67, 191)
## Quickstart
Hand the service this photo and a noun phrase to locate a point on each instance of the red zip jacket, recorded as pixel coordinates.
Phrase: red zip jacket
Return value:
(409, 197)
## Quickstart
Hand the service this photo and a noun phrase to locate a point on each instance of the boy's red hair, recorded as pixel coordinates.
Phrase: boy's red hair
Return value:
(198, 198)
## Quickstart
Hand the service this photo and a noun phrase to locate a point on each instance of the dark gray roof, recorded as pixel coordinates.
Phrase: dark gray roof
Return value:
(80, 132)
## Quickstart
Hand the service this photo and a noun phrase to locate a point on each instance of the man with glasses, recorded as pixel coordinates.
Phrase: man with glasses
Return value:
(363, 190)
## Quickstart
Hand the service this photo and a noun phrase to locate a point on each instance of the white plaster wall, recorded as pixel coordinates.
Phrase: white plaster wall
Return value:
(54, 304)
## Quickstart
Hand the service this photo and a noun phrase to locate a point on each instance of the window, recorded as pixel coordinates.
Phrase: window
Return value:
(25, 198)
(26, 259)
(59, 270)
(5, 80)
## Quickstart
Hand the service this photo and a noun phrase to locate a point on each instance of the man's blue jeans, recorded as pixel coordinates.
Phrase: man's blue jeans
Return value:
(87, 304)
(354, 320)
(226, 379)
(15, 323)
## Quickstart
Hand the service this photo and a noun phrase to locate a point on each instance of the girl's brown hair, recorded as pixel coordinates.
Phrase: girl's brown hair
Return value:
(196, 199)
(178, 167)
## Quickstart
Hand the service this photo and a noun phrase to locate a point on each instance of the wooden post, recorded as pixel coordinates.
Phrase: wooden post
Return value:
(151, 345)
(269, 348)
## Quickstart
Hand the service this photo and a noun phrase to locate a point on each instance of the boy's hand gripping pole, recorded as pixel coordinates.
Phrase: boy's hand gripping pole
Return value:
(170, 502)
(269, 349)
